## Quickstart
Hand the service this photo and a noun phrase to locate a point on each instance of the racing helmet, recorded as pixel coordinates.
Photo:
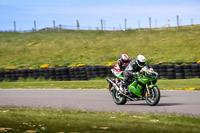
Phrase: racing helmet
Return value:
(140, 60)
(124, 58)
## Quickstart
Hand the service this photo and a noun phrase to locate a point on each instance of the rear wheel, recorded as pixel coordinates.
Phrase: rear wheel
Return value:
(118, 98)
(154, 97)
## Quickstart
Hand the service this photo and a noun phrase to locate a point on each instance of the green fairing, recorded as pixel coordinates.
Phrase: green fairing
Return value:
(152, 85)
(119, 75)
(136, 88)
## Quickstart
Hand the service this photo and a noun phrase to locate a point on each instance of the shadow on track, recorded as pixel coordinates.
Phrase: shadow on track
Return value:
(159, 104)
(169, 104)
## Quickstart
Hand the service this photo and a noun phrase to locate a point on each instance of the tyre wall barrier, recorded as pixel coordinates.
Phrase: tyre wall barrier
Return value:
(87, 72)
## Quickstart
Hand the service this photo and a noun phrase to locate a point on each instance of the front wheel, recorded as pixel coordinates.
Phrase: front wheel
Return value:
(118, 98)
(154, 97)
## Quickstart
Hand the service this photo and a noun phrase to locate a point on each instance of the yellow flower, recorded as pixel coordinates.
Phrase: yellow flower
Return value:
(80, 65)
(198, 61)
(69, 65)
(190, 89)
(110, 63)
(11, 67)
(44, 66)
(31, 43)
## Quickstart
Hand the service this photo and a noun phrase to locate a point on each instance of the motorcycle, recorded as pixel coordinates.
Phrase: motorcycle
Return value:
(142, 87)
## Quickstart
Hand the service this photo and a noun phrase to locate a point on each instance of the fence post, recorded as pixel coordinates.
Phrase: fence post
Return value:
(177, 18)
(15, 26)
(155, 23)
(150, 22)
(101, 24)
(168, 22)
(54, 24)
(125, 23)
(35, 25)
(139, 24)
(60, 26)
(77, 24)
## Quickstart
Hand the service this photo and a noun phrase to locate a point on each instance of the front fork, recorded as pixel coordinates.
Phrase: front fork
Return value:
(148, 88)
(148, 91)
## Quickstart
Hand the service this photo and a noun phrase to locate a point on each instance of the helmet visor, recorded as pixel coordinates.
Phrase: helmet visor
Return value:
(125, 61)
(141, 64)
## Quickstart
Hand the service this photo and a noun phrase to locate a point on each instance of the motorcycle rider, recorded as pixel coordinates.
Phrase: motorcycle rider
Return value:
(121, 64)
(131, 70)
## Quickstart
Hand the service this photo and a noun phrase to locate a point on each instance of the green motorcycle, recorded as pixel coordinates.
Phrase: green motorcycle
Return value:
(142, 87)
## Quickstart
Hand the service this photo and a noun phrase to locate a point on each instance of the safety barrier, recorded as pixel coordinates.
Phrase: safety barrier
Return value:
(87, 72)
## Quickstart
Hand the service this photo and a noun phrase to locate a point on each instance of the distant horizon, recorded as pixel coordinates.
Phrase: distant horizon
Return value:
(90, 13)
(67, 27)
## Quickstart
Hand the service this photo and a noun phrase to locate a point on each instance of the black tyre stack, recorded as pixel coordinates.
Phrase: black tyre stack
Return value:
(195, 70)
(81, 73)
(52, 73)
(155, 67)
(2, 75)
(35, 73)
(187, 71)
(162, 71)
(30, 73)
(8, 75)
(60, 74)
(78, 73)
(89, 72)
(102, 71)
(14, 74)
(46, 73)
(41, 73)
(179, 72)
(95, 71)
(171, 72)
(65, 74)
(23, 73)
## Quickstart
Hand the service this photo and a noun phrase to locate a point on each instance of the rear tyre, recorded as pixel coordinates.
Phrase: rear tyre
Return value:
(153, 98)
(118, 98)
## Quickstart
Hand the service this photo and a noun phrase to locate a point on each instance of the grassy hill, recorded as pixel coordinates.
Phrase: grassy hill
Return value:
(66, 47)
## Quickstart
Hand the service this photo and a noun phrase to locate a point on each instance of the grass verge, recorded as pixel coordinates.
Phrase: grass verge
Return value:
(65, 47)
(67, 121)
(176, 84)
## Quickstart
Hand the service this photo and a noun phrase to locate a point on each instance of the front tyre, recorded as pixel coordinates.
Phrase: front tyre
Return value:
(153, 98)
(118, 98)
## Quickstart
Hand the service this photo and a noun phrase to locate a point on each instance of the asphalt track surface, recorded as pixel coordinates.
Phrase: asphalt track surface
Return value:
(173, 102)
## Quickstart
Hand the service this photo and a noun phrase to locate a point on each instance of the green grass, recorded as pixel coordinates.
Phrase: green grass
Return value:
(68, 121)
(67, 47)
(92, 84)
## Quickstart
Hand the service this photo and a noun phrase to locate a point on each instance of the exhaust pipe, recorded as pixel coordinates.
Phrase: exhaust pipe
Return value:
(117, 89)
(115, 86)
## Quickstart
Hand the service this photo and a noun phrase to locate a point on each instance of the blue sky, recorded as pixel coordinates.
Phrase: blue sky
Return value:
(90, 12)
